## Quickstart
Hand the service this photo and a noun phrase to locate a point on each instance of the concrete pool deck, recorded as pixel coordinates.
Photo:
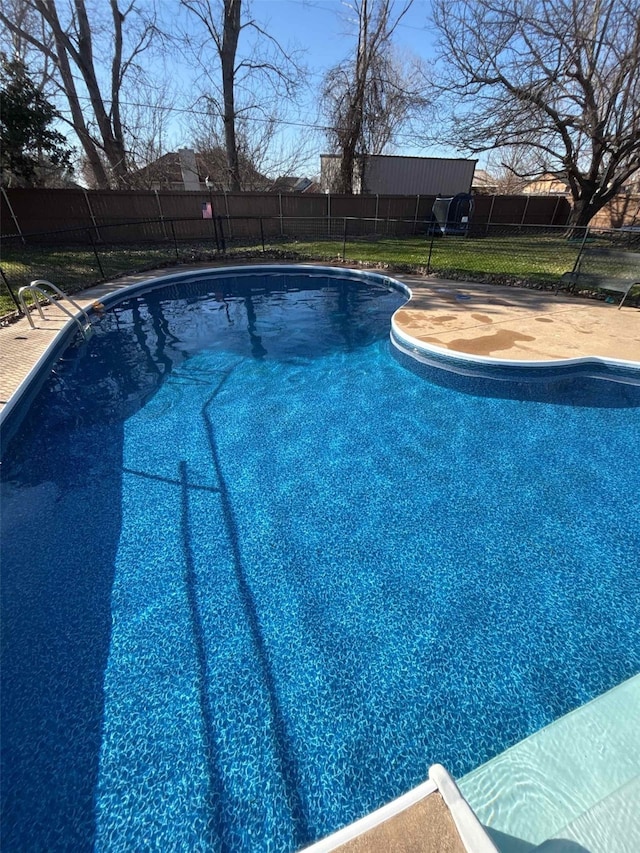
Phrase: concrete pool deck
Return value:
(506, 323)
(516, 323)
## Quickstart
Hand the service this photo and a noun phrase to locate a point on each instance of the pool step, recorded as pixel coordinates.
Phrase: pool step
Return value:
(610, 826)
(561, 781)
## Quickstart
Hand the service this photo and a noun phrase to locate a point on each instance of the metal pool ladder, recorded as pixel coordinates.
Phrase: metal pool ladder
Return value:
(35, 288)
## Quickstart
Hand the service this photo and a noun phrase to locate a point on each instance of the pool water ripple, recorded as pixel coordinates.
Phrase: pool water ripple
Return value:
(310, 573)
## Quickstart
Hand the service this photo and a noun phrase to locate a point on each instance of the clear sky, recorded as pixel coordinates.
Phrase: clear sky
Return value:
(321, 28)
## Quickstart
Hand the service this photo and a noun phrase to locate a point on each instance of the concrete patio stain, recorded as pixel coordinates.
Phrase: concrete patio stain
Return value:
(503, 339)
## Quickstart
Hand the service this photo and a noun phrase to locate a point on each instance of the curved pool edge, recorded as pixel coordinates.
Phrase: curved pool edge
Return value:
(407, 344)
(506, 370)
(481, 365)
(251, 269)
(30, 383)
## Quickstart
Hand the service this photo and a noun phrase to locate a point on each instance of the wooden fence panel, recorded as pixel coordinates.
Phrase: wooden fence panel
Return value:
(252, 204)
(46, 210)
(95, 214)
(110, 206)
(509, 209)
(305, 204)
(185, 205)
(623, 210)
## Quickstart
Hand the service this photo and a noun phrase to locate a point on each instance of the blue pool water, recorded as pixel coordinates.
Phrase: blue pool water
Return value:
(259, 573)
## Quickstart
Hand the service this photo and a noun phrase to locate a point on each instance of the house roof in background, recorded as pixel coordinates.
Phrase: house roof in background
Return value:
(167, 170)
(546, 184)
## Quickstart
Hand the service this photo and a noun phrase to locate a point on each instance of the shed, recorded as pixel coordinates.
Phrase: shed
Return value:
(397, 175)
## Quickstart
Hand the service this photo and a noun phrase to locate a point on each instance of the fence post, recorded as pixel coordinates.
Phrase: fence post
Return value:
(524, 212)
(215, 232)
(568, 217)
(13, 216)
(328, 214)
(281, 222)
(415, 218)
(95, 252)
(375, 230)
(344, 241)
(433, 234)
(213, 220)
(8, 286)
(222, 242)
(175, 241)
(164, 227)
(93, 219)
(584, 240)
(493, 201)
(488, 222)
(262, 235)
(226, 204)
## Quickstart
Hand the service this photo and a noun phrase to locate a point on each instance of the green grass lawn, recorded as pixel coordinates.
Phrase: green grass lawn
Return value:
(539, 259)
(530, 259)
(73, 269)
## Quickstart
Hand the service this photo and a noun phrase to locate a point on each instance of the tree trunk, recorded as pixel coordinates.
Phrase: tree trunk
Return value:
(113, 147)
(347, 162)
(582, 212)
(356, 108)
(116, 85)
(50, 15)
(80, 127)
(230, 36)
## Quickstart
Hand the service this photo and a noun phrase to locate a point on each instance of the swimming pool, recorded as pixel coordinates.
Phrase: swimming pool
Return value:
(260, 570)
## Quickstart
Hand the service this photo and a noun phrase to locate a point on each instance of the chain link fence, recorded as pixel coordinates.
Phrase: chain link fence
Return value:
(74, 259)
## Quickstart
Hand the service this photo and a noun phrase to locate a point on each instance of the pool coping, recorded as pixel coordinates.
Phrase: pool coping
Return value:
(464, 823)
(22, 364)
(414, 346)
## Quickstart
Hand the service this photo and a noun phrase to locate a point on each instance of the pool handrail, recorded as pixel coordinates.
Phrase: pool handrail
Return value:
(36, 287)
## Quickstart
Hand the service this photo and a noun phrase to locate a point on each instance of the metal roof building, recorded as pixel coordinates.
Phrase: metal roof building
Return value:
(392, 175)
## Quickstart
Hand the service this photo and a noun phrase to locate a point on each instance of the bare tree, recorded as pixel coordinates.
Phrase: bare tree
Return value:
(561, 77)
(368, 97)
(148, 127)
(243, 87)
(69, 45)
(511, 168)
(263, 150)
(26, 19)
(211, 154)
